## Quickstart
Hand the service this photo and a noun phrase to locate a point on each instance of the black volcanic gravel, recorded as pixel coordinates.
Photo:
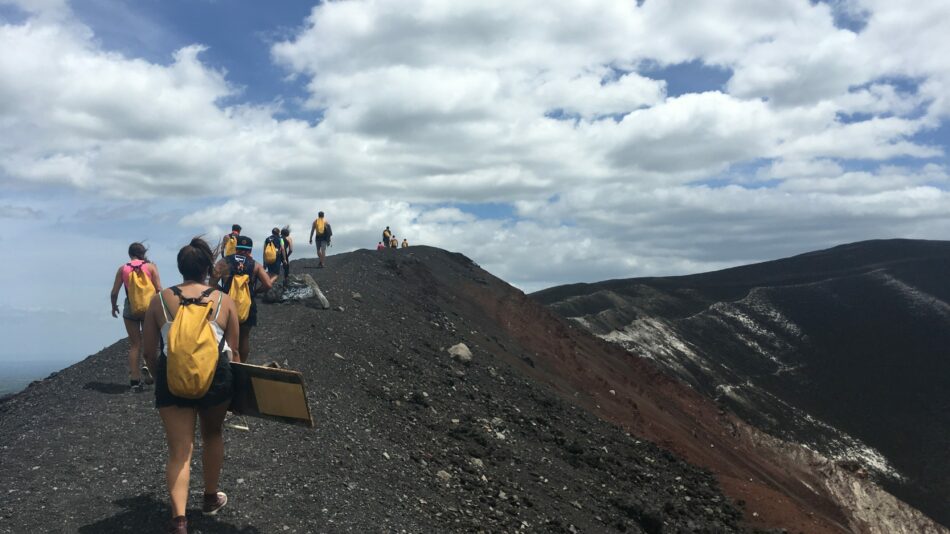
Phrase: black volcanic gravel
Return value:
(407, 439)
(867, 355)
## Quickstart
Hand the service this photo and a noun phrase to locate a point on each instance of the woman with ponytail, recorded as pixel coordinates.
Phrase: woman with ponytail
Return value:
(138, 264)
(179, 414)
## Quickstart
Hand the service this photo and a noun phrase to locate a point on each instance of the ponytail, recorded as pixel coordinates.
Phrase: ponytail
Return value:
(196, 260)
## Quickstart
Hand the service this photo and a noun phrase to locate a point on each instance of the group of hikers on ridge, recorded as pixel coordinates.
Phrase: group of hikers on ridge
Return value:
(390, 241)
(189, 333)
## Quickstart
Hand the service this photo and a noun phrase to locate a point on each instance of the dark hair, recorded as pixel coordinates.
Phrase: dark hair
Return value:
(195, 260)
(275, 231)
(137, 251)
(285, 231)
(319, 214)
(235, 227)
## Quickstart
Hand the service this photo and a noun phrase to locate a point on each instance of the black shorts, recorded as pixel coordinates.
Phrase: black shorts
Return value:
(221, 390)
(251, 316)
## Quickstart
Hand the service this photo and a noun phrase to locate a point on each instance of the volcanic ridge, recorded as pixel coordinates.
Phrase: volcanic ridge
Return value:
(545, 428)
(842, 350)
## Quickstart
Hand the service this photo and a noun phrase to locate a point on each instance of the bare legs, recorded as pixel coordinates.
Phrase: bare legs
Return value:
(134, 329)
(244, 344)
(212, 445)
(180, 432)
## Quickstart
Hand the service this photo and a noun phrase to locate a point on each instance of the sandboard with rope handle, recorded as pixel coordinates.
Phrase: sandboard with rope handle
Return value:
(269, 392)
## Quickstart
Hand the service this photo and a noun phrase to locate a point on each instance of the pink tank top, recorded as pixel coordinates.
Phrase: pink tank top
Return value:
(129, 267)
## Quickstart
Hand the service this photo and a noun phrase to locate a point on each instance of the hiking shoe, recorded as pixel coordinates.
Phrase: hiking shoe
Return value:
(178, 525)
(214, 502)
(147, 376)
(137, 388)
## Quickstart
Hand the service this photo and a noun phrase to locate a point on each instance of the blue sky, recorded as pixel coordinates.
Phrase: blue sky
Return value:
(237, 35)
(610, 139)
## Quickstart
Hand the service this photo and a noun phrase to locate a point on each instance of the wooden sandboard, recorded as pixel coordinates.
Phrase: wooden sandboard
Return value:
(270, 393)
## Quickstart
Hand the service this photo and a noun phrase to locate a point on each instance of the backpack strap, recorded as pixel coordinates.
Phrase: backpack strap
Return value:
(217, 308)
(186, 301)
(165, 310)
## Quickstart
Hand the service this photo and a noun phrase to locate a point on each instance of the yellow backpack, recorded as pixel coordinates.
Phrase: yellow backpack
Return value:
(140, 289)
(193, 350)
(270, 253)
(230, 245)
(242, 270)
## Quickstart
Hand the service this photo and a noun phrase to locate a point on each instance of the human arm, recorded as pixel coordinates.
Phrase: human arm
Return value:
(115, 292)
(156, 279)
(232, 328)
(151, 328)
(261, 274)
(217, 273)
(313, 228)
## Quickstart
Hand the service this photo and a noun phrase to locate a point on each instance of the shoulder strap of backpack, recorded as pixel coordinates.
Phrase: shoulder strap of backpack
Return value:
(186, 301)
(217, 308)
(165, 310)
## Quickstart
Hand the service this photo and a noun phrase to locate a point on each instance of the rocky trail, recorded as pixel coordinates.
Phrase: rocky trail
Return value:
(408, 437)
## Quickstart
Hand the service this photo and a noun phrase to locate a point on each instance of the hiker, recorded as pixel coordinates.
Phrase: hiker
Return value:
(141, 281)
(274, 254)
(380, 246)
(394, 243)
(229, 241)
(198, 327)
(241, 277)
(405, 244)
(288, 250)
(324, 233)
(387, 235)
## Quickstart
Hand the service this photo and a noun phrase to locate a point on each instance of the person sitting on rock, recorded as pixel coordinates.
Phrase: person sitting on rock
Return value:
(179, 414)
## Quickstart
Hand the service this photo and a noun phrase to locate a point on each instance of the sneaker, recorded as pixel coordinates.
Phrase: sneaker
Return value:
(147, 375)
(214, 502)
(178, 525)
(137, 388)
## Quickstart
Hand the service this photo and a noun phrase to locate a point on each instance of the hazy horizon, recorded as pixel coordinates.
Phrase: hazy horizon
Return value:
(552, 143)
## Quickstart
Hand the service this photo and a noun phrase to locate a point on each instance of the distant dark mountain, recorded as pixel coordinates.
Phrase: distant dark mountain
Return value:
(845, 350)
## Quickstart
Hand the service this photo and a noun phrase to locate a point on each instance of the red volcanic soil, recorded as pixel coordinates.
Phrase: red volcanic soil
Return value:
(647, 403)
